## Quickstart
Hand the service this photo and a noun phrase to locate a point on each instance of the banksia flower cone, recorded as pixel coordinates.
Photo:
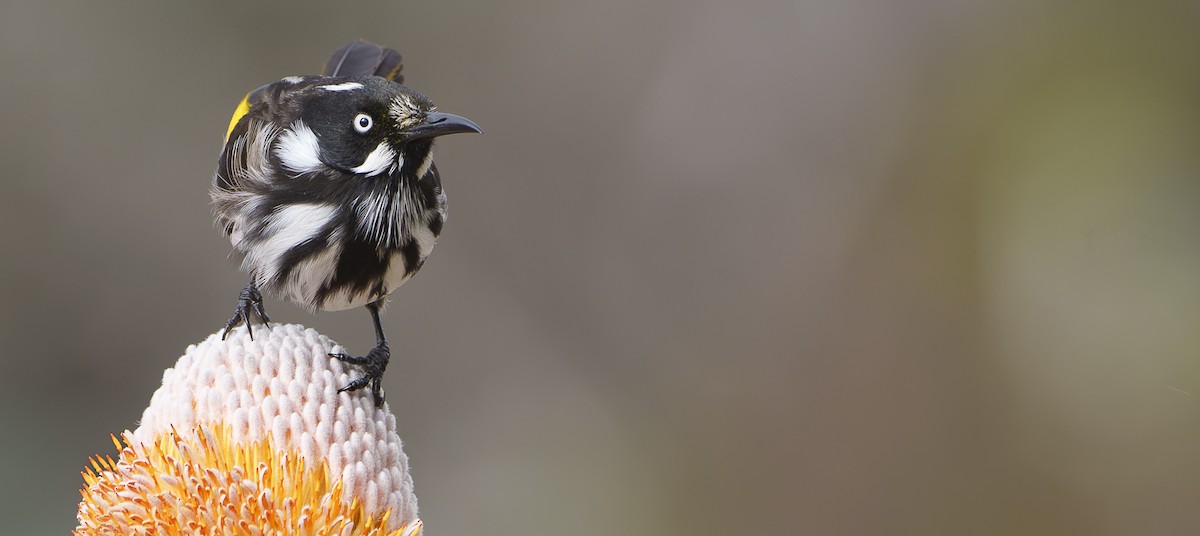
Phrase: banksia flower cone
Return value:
(251, 437)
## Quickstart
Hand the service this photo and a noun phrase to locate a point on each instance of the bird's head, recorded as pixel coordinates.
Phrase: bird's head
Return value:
(365, 125)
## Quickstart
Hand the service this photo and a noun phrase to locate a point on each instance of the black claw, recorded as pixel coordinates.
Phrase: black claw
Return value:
(258, 308)
(374, 363)
(249, 300)
(356, 384)
(377, 391)
(346, 358)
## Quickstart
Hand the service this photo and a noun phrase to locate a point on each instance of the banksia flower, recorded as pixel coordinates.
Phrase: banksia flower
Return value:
(252, 437)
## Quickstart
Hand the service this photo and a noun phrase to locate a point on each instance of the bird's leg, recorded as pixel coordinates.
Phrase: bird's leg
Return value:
(250, 300)
(373, 364)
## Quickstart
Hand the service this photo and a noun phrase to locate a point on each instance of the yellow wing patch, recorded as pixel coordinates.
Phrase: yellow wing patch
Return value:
(241, 110)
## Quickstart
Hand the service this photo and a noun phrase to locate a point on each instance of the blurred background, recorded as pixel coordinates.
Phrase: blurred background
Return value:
(772, 268)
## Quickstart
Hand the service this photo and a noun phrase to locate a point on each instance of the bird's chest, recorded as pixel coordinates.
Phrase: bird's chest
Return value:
(367, 272)
(417, 239)
(386, 241)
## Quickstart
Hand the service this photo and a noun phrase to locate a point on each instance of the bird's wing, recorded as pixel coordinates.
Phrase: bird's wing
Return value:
(272, 92)
(365, 58)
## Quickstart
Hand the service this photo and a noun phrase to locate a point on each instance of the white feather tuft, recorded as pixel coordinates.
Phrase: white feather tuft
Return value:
(299, 150)
(287, 227)
(425, 164)
(344, 86)
(313, 273)
(382, 159)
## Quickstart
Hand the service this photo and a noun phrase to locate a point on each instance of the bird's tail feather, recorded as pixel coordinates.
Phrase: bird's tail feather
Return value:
(365, 58)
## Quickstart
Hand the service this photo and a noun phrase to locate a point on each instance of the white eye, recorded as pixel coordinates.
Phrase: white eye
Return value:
(363, 123)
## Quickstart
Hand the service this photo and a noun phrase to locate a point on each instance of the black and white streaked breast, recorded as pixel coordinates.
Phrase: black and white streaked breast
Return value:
(326, 237)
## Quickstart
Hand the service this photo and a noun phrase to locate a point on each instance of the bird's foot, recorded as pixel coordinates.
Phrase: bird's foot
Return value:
(373, 364)
(249, 301)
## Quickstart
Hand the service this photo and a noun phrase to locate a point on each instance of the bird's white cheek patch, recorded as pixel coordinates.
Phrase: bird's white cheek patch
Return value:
(299, 150)
(381, 159)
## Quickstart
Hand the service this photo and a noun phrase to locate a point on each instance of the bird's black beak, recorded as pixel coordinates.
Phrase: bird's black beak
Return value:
(439, 124)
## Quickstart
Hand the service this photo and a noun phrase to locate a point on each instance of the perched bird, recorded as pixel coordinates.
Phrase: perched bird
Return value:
(327, 189)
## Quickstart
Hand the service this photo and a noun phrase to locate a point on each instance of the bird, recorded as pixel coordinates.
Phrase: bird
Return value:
(327, 190)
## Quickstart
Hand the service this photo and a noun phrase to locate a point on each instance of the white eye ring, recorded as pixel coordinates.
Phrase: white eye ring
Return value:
(363, 123)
